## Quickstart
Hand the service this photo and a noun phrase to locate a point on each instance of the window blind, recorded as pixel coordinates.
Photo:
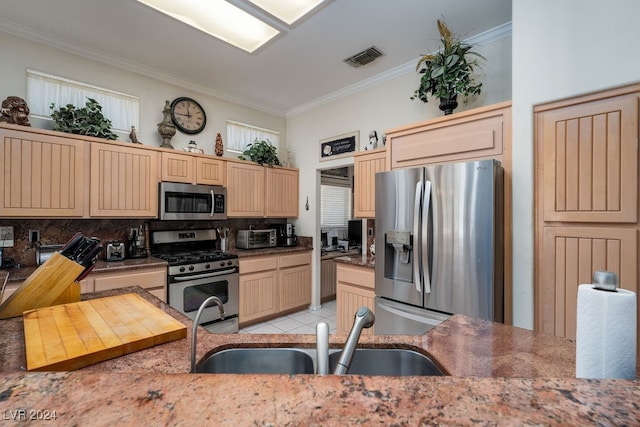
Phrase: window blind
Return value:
(335, 206)
(239, 135)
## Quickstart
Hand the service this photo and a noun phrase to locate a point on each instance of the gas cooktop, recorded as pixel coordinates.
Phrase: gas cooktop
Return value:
(195, 257)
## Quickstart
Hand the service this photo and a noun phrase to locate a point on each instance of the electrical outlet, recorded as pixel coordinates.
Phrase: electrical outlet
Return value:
(370, 232)
(6, 236)
(34, 236)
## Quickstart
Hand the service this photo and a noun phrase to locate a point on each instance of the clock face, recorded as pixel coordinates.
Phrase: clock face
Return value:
(188, 115)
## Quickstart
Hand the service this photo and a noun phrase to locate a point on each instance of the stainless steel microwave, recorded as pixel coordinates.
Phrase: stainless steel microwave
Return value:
(192, 202)
(255, 239)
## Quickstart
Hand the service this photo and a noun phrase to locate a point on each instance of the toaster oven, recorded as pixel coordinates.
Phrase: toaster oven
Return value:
(256, 239)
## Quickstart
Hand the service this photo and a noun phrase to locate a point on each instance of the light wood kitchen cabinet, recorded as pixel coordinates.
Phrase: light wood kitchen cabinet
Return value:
(281, 193)
(327, 280)
(43, 175)
(192, 169)
(294, 280)
(477, 134)
(124, 181)
(259, 191)
(365, 166)
(151, 279)
(355, 289)
(258, 288)
(586, 200)
(272, 285)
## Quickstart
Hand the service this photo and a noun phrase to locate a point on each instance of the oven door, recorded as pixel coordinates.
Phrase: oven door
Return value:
(186, 294)
(186, 201)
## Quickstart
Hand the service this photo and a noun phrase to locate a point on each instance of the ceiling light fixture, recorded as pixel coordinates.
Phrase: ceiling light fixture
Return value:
(288, 11)
(219, 19)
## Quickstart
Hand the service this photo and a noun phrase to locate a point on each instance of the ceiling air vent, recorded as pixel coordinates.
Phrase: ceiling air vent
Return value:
(364, 57)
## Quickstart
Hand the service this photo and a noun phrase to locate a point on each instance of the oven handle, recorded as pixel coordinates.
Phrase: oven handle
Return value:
(205, 275)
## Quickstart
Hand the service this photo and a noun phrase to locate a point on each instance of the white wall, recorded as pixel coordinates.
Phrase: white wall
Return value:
(379, 108)
(560, 49)
(20, 54)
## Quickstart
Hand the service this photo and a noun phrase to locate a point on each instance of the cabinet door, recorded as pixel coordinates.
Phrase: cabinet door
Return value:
(42, 175)
(210, 171)
(281, 193)
(178, 168)
(295, 287)
(245, 190)
(349, 299)
(365, 168)
(258, 295)
(124, 182)
(327, 279)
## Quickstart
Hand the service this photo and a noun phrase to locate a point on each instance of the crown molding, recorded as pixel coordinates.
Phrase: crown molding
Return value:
(486, 37)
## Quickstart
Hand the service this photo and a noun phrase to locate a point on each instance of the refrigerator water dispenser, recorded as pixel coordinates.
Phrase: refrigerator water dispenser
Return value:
(398, 259)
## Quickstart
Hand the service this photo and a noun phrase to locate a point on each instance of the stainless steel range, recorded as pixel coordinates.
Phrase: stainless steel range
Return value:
(197, 271)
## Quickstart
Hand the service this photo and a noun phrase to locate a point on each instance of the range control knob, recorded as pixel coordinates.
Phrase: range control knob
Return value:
(229, 263)
(222, 264)
(181, 269)
(191, 268)
(207, 265)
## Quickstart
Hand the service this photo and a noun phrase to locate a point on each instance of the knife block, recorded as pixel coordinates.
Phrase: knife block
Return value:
(52, 283)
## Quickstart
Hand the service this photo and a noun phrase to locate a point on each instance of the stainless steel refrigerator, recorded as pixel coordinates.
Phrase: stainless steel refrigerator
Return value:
(439, 245)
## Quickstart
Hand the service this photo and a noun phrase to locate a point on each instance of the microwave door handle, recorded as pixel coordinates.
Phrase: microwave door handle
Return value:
(424, 244)
(416, 240)
(213, 203)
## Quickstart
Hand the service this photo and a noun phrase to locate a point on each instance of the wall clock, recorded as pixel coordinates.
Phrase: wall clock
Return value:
(188, 115)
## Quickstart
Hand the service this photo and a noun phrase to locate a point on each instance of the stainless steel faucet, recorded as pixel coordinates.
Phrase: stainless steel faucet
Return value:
(196, 322)
(364, 319)
(322, 348)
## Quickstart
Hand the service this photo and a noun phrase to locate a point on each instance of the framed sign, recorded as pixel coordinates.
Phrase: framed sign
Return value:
(339, 146)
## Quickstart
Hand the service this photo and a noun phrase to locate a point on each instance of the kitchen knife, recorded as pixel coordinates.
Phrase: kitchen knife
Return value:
(87, 246)
(88, 256)
(71, 245)
(85, 273)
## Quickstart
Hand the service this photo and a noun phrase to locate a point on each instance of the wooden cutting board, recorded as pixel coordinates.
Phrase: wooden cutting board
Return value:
(71, 336)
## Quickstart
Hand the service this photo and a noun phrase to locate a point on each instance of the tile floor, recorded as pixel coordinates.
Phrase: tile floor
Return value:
(301, 322)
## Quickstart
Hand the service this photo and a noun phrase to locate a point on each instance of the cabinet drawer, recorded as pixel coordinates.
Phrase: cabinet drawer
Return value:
(261, 263)
(147, 279)
(359, 276)
(293, 260)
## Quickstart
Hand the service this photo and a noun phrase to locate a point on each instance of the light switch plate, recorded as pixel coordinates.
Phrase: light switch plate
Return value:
(6, 236)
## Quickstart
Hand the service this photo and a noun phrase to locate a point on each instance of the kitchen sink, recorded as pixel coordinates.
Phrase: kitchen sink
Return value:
(387, 361)
(258, 361)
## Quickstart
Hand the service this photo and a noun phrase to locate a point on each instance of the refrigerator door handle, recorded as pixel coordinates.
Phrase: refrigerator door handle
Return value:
(417, 247)
(424, 244)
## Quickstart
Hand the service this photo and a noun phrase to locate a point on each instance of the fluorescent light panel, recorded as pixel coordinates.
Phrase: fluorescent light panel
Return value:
(288, 11)
(219, 19)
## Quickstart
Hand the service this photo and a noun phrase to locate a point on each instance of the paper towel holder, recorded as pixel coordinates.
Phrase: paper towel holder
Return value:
(605, 281)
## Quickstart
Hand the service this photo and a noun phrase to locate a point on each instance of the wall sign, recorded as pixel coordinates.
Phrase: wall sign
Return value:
(339, 146)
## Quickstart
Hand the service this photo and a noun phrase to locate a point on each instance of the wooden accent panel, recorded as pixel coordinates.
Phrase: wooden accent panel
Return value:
(245, 190)
(355, 288)
(295, 259)
(210, 171)
(571, 256)
(327, 279)
(258, 295)
(295, 287)
(42, 175)
(259, 263)
(281, 193)
(124, 182)
(589, 153)
(177, 168)
(366, 165)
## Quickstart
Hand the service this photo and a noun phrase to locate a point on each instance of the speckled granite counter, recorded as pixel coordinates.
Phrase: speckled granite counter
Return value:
(500, 375)
(242, 253)
(361, 260)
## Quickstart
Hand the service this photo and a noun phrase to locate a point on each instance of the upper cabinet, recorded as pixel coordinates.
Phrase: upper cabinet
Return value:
(191, 169)
(365, 166)
(43, 175)
(124, 181)
(259, 191)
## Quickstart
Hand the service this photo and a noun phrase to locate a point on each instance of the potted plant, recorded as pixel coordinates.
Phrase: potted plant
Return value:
(447, 73)
(261, 152)
(87, 120)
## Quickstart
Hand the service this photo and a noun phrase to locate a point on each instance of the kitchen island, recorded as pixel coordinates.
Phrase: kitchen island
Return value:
(497, 375)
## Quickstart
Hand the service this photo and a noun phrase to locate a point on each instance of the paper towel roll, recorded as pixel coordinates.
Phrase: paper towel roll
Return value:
(606, 333)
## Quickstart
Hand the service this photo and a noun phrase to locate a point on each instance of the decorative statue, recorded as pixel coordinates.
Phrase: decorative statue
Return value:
(15, 111)
(133, 137)
(373, 140)
(219, 149)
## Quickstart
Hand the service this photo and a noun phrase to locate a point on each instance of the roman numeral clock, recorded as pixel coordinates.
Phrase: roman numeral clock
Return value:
(188, 115)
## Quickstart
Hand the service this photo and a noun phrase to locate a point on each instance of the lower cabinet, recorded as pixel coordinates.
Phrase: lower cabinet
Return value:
(327, 280)
(152, 279)
(274, 284)
(355, 288)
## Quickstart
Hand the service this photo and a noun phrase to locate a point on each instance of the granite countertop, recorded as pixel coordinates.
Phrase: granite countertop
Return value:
(363, 260)
(498, 375)
(243, 253)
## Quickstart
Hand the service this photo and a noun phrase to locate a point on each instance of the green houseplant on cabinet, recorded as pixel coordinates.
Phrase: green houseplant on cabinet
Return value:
(448, 72)
(262, 152)
(87, 120)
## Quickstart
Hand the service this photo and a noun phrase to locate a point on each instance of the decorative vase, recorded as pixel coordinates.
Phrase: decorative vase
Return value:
(166, 128)
(219, 149)
(448, 105)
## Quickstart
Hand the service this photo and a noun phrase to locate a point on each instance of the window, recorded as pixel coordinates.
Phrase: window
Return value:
(335, 206)
(239, 135)
(43, 89)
